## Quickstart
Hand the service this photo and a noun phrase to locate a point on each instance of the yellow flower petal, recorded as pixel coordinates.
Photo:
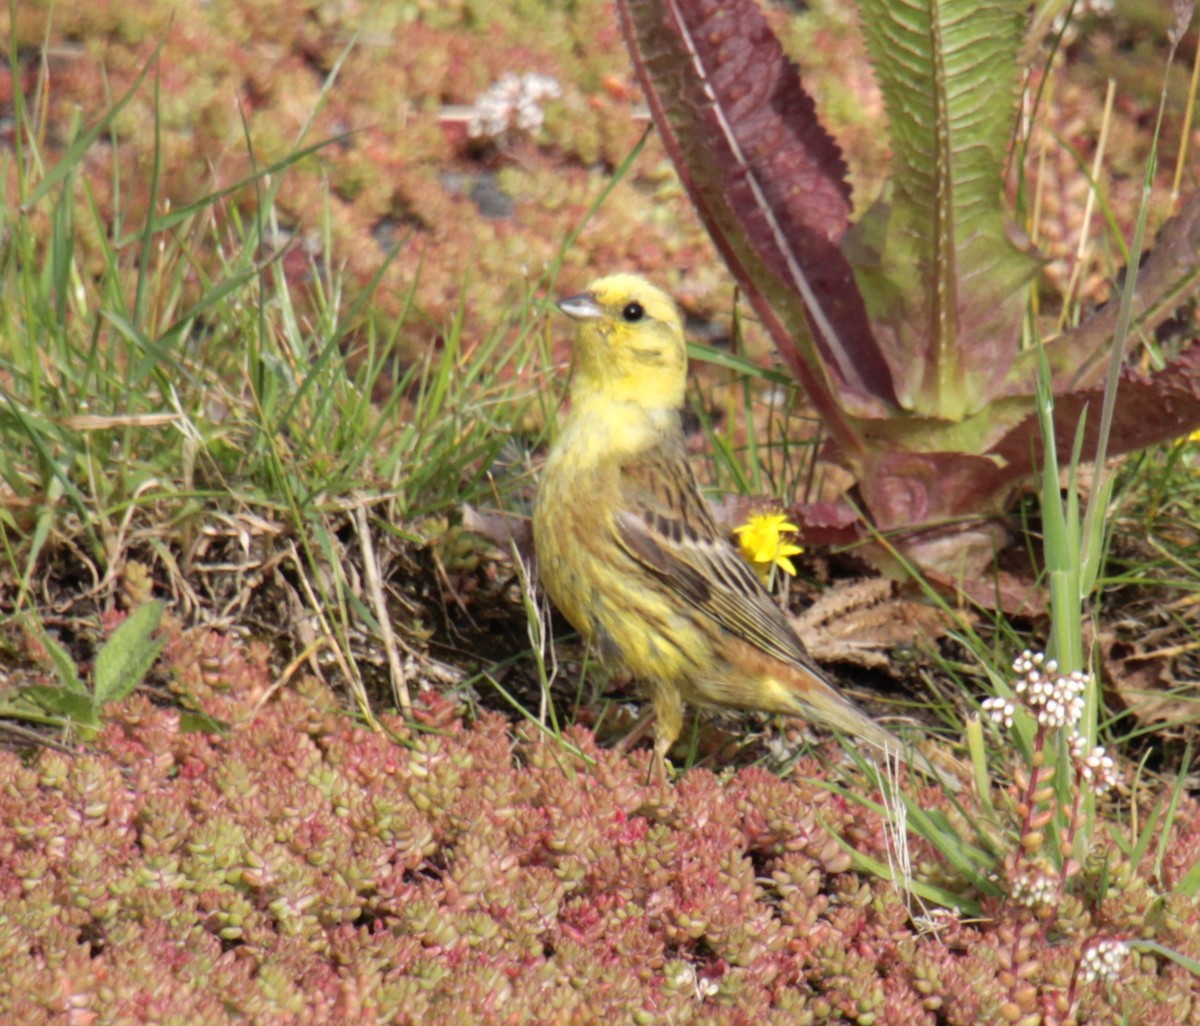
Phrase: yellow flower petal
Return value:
(760, 541)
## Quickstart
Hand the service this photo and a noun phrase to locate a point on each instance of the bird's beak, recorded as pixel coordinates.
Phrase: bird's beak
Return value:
(582, 307)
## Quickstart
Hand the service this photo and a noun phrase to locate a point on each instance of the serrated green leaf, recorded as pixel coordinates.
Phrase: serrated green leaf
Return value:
(942, 279)
(126, 658)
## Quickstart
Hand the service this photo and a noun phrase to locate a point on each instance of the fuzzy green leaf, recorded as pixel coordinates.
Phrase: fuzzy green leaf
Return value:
(63, 702)
(64, 665)
(127, 656)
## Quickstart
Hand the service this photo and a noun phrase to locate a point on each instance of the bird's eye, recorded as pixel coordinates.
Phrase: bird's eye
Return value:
(633, 312)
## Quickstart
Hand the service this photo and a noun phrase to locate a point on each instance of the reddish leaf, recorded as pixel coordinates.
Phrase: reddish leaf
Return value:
(1151, 408)
(911, 489)
(769, 183)
(907, 489)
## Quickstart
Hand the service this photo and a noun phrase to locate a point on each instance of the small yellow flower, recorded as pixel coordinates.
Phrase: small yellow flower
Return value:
(761, 543)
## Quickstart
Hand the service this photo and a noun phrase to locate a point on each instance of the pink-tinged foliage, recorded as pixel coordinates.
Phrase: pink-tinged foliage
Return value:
(298, 868)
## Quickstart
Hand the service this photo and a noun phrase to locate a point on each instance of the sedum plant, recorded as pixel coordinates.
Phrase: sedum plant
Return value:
(298, 866)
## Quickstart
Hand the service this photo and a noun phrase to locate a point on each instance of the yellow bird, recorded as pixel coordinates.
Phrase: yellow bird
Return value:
(628, 550)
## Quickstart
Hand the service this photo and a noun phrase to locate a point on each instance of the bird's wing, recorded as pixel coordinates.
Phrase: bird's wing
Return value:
(665, 525)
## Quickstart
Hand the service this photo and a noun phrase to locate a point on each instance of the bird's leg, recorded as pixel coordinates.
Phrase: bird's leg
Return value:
(659, 767)
(668, 722)
(666, 730)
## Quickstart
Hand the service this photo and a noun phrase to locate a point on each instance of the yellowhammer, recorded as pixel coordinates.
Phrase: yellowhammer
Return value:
(627, 548)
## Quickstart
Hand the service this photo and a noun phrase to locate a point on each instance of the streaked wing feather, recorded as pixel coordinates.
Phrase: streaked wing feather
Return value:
(665, 525)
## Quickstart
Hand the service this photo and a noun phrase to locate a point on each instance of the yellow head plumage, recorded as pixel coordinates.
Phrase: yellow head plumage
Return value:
(630, 346)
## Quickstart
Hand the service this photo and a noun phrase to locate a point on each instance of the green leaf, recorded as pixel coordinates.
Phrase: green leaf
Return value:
(63, 702)
(925, 891)
(1178, 957)
(738, 364)
(1142, 845)
(1189, 883)
(82, 143)
(1167, 278)
(64, 665)
(127, 656)
(943, 281)
(195, 722)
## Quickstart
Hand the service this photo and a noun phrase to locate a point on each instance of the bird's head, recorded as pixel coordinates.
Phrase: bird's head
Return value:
(629, 346)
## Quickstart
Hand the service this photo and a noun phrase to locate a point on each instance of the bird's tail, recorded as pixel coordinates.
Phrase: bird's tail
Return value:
(820, 702)
(808, 693)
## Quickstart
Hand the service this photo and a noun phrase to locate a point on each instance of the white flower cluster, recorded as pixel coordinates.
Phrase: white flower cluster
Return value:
(1056, 699)
(1096, 767)
(999, 711)
(1035, 888)
(1103, 960)
(512, 102)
